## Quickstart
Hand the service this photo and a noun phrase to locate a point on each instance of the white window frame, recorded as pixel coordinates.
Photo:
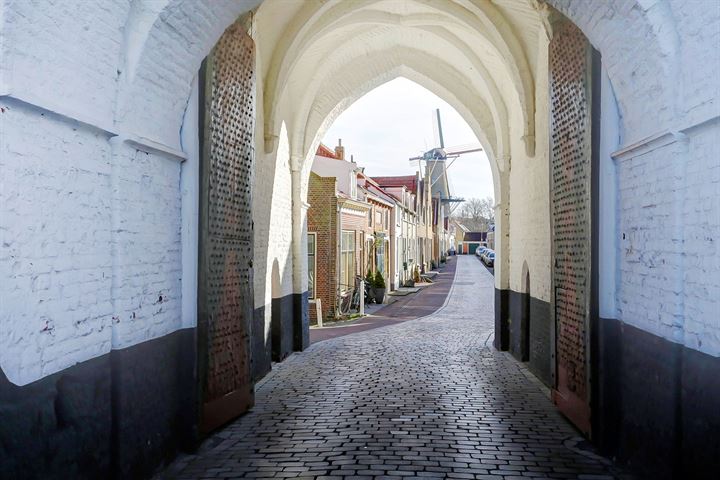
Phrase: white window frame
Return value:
(346, 283)
(314, 255)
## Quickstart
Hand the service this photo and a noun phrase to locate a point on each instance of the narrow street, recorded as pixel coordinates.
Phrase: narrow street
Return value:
(422, 398)
(410, 307)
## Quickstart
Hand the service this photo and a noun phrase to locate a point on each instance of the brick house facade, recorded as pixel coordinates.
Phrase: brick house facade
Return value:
(322, 227)
(338, 228)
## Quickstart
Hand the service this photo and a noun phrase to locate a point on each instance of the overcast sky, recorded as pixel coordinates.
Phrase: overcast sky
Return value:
(394, 122)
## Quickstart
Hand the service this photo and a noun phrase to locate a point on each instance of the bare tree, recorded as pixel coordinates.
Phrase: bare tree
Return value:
(477, 214)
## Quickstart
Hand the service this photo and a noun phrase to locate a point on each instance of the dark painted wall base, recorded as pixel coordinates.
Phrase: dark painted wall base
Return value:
(657, 403)
(124, 414)
(154, 403)
(58, 427)
(261, 357)
(301, 322)
(531, 316)
(116, 416)
(502, 329)
(659, 407)
(281, 327)
(289, 331)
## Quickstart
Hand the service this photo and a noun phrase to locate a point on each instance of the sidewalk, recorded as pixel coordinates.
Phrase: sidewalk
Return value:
(404, 308)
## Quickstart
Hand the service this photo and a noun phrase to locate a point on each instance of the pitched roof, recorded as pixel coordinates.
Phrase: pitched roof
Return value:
(323, 151)
(409, 181)
(461, 226)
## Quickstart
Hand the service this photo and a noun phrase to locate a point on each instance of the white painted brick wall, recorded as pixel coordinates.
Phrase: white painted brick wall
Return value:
(42, 58)
(154, 90)
(146, 245)
(55, 236)
(669, 222)
(530, 200)
(273, 221)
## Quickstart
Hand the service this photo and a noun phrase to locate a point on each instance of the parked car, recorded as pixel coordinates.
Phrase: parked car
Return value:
(479, 252)
(490, 259)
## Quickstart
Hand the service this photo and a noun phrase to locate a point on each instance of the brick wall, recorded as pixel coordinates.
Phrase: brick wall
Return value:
(322, 219)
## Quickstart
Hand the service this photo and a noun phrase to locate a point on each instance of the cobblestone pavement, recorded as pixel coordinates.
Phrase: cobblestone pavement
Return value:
(419, 399)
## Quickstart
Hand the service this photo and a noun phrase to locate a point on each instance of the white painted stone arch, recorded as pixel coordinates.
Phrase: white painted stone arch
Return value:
(321, 120)
(311, 129)
(472, 72)
(485, 24)
(326, 100)
(153, 29)
(164, 44)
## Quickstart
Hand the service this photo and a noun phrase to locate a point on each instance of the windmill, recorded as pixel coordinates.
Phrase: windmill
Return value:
(436, 162)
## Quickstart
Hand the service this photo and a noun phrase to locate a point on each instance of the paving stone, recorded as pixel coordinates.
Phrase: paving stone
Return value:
(425, 398)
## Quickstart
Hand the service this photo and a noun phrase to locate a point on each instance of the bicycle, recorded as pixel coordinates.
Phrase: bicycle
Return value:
(345, 299)
(355, 304)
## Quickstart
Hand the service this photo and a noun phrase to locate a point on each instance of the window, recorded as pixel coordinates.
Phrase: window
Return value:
(380, 256)
(312, 265)
(370, 216)
(347, 260)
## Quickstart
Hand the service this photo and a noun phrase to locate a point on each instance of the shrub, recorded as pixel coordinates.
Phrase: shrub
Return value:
(379, 280)
(369, 278)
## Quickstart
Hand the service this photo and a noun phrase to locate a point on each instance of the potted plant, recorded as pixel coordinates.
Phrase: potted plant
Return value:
(379, 285)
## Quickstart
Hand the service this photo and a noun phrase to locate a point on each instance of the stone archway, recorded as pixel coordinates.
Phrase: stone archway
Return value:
(108, 87)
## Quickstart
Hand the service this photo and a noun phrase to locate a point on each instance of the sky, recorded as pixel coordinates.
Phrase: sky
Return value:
(394, 122)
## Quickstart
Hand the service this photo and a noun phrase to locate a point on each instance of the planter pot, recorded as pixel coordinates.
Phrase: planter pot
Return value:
(379, 295)
(370, 297)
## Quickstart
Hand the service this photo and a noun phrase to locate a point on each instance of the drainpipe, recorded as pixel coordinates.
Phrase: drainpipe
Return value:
(338, 259)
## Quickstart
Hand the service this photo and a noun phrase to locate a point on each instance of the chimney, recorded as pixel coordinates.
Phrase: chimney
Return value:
(340, 150)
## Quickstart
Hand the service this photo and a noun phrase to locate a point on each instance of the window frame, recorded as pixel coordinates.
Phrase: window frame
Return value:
(346, 281)
(312, 293)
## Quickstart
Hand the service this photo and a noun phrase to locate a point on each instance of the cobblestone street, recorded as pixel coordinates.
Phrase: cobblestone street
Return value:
(423, 398)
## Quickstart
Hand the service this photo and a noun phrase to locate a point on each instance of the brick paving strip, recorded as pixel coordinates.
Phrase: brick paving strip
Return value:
(421, 399)
(409, 307)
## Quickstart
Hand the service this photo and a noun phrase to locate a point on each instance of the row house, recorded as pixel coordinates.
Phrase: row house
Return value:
(419, 212)
(357, 224)
(404, 245)
(337, 229)
(379, 232)
(349, 230)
